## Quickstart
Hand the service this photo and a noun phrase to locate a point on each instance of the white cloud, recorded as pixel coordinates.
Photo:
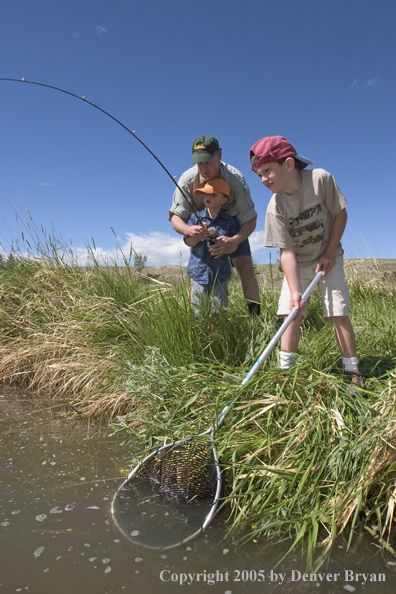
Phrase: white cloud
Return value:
(99, 30)
(358, 84)
(45, 184)
(160, 249)
(374, 82)
(354, 84)
(256, 241)
(76, 34)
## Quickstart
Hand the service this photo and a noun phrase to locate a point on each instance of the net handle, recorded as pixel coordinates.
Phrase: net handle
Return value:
(269, 348)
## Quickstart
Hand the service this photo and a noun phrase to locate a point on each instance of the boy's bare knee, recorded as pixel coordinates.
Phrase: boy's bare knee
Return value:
(340, 321)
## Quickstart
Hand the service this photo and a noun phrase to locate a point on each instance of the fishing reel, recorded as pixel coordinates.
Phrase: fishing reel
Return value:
(213, 234)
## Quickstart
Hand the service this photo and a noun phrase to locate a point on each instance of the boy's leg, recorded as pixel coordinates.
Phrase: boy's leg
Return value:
(345, 335)
(335, 297)
(220, 296)
(335, 309)
(347, 344)
(196, 291)
(289, 343)
(218, 292)
(291, 336)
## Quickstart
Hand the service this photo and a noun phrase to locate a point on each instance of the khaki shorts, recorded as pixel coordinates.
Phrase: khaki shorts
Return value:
(332, 287)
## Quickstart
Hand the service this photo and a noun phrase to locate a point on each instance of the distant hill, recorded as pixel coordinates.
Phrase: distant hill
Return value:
(363, 266)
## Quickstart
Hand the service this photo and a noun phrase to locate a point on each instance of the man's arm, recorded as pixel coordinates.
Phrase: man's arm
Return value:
(327, 259)
(228, 245)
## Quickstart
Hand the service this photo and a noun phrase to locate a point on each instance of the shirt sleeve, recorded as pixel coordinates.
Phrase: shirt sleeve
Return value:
(180, 205)
(244, 207)
(334, 198)
(240, 203)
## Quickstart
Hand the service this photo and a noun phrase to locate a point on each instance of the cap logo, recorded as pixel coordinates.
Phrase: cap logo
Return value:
(199, 146)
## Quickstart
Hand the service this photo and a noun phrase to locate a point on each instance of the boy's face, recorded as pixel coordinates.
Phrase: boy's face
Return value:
(211, 169)
(215, 200)
(274, 176)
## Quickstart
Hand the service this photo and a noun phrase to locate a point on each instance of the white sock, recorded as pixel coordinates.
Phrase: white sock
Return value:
(286, 359)
(350, 364)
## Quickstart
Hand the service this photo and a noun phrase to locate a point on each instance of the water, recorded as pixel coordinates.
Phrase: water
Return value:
(57, 535)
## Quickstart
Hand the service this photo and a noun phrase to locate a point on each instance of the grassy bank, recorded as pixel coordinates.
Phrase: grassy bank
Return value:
(302, 458)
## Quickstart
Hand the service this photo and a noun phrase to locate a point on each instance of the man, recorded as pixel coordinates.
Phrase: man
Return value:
(208, 165)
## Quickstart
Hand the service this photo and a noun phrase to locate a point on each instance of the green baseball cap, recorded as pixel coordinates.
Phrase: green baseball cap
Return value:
(203, 149)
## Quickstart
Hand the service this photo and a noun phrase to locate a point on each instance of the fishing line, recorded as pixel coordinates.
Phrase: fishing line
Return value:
(23, 80)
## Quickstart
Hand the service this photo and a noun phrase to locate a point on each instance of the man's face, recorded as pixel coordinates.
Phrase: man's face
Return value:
(211, 169)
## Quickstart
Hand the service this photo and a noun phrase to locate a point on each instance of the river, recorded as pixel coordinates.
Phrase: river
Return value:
(58, 476)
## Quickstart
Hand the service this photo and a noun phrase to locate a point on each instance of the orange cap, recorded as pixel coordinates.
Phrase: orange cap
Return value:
(214, 185)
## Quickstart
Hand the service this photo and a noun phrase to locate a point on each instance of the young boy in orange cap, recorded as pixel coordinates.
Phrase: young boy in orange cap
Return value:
(210, 275)
(306, 218)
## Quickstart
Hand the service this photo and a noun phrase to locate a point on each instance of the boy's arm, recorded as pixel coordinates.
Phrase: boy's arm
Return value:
(327, 259)
(191, 241)
(289, 265)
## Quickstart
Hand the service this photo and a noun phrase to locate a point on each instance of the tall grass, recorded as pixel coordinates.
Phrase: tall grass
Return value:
(301, 458)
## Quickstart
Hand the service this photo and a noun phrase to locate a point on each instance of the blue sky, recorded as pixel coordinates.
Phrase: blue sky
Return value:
(319, 72)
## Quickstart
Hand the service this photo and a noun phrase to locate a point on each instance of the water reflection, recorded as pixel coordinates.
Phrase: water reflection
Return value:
(57, 479)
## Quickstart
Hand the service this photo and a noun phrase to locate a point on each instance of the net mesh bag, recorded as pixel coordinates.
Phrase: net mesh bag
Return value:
(182, 471)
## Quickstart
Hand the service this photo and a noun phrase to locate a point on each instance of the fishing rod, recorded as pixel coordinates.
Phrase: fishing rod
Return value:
(211, 230)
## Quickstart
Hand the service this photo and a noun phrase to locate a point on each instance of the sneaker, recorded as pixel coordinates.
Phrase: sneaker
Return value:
(354, 381)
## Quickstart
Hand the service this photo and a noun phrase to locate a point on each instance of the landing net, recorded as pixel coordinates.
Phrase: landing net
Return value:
(167, 498)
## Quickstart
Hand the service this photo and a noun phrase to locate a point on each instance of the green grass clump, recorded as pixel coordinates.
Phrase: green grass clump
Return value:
(78, 331)
(301, 458)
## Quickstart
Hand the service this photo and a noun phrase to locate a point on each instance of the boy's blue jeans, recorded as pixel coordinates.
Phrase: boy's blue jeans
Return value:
(218, 292)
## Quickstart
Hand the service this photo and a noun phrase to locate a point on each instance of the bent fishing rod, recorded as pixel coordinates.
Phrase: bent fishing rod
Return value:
(191, 204)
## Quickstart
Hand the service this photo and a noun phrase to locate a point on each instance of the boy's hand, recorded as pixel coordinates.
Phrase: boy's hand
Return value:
(199, 231)
(326, 262)
(295, 301)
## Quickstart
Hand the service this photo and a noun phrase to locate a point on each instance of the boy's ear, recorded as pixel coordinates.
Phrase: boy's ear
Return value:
(290, 164)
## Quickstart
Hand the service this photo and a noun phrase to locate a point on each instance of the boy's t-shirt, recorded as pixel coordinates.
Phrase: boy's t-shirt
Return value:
(303, 222)
(202, 266)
